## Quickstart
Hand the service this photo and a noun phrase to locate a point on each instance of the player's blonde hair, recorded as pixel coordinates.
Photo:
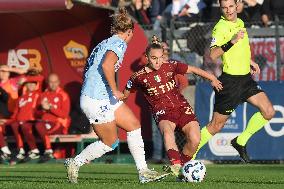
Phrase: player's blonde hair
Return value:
(121, 21)
(155, 44)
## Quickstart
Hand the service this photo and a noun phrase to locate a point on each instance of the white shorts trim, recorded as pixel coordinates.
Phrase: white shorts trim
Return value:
(99, 111)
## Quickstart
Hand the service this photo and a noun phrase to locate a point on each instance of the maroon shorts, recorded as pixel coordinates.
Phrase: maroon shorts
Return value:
(180, 117)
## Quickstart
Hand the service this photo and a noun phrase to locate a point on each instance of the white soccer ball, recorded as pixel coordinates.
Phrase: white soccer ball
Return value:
(194, 171)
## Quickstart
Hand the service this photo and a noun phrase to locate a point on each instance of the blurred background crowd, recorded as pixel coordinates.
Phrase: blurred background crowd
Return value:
(155, 12)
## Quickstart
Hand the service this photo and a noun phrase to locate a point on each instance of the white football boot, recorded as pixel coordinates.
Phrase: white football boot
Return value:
(72, 170)
(147, 175)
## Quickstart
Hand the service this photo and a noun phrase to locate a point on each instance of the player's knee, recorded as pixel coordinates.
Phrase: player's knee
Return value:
(195, 141)
(269, 113)
(193, 138)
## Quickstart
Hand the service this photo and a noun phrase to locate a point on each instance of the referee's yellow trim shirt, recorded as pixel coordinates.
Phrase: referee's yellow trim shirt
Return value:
(236, 61)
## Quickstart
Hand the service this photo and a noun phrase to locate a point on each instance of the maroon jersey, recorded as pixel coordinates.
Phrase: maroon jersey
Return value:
(60, 105)
(159, 86)
(25, 108)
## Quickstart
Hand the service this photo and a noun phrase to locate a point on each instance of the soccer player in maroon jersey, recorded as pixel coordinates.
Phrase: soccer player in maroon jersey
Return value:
(169, 108)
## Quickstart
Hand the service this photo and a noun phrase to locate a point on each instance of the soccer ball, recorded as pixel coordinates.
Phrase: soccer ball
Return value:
(194, 171)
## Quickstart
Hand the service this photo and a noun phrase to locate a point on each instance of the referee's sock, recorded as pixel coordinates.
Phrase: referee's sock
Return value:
(255, 123)
(205, 137)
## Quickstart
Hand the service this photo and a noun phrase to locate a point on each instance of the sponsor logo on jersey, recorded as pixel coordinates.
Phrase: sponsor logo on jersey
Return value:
(161, 112)
(23, 101)
(161, 89)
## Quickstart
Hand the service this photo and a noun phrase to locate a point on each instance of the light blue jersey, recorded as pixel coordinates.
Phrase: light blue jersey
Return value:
(95, 84)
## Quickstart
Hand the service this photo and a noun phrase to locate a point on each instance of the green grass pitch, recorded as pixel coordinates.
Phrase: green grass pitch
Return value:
(115, 176)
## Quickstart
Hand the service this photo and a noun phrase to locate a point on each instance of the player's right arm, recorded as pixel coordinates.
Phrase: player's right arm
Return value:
(214, 81)
(218, 44)
(109, 72)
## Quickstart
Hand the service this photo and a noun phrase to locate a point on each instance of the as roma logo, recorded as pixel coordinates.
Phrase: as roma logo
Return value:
(77, 55)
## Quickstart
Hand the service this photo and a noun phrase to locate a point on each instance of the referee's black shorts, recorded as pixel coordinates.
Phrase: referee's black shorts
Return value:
(236, 90)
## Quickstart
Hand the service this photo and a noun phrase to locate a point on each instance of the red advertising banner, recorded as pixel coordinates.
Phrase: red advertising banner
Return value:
(264, 53)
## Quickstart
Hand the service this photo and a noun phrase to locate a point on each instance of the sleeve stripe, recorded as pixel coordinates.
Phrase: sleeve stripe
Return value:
(213, 46)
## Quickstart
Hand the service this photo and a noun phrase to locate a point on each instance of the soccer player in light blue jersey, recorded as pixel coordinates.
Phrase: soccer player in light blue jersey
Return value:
(102, 103)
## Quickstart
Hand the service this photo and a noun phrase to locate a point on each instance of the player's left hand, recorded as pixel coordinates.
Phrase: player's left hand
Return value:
(118, 95)
(217, 84)
(254, 68)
